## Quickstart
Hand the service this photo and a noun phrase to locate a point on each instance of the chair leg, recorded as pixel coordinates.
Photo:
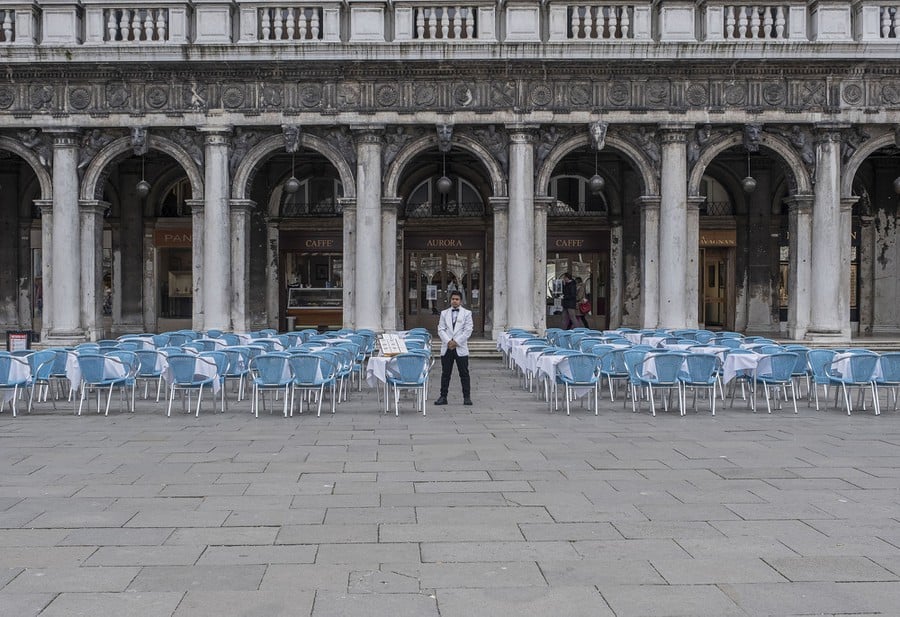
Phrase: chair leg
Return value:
(200, 400)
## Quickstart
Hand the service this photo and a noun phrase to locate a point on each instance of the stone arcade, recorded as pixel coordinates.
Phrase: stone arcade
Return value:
(351, 163)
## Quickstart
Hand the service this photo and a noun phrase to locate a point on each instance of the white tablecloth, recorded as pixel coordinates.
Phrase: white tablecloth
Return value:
(841, 364)
(377, 370)
(743, 363)
(18, 372)
(205, 368)
(551, 366)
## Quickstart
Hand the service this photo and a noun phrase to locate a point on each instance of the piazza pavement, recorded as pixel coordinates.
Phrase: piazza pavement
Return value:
(499, 509)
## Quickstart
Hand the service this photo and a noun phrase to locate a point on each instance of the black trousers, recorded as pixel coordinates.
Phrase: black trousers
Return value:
(462, 363)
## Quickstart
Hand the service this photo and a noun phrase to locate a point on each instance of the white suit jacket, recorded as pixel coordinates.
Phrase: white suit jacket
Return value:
(460, 333)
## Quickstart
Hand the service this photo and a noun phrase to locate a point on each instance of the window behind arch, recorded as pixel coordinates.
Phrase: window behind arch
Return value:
(173, 202)
(573, 197)
(717, 200)
(461, 200)
(316, 197)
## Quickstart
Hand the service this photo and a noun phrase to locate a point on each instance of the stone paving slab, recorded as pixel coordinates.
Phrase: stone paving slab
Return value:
(500, 508)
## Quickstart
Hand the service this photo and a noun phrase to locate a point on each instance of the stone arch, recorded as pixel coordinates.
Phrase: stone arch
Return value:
(394, 171)
(275, 143)
(43, 176)
(862, 153)
(644, 165)
(777, 144)
(119, 149)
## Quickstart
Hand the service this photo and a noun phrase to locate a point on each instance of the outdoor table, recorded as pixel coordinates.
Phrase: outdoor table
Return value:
(19, 371)
(203, 367)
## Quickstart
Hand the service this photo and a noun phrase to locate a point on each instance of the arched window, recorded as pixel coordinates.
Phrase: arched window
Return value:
(718, 201)
(172, 203)
(461, 200)
(316, 197)
(574, 197)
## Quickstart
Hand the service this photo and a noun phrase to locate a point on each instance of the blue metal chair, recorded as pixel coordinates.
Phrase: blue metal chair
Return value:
(230, 339)
(666, 372)
(221, 360)
(409, 372)
(270, 371)
(14, 374)
(41, 365)
(890, 374)
(583, 372)
(95, 376)
(184, 377)
(613, 368)
(860, 374)
(776, 370)
(819, 361)
(238, 367)
(311, 374)
(700, 371)
(150, 368)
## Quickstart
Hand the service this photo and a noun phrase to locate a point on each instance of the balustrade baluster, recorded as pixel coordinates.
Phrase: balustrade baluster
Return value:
(742, 23)
(754, 22)
(289, 23)
(470, 23)
(625, 22)
(431, 18)
(279, 24)
(613, 22)
(303, 24)
(729, 23)
(111, 26)
(885, 22)
(768, 23)
(420, 23)
(576, 20)
(7, 26)
(266, 24)
(779, 22)
(148, 24)
(457, 23)
(314, 21)
(589, 31)
(445, 23)
(161, 24)
(135, 25)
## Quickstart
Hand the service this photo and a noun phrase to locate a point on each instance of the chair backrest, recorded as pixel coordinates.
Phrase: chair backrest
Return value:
(582, 367)
(727, 334)
(130, 345)
(220, 358)
(819, 363)
(7, 361)
(768, 349)
(183, 368)
(214, 333)
(727, 341)
(128, 358)
(87, 348)
(177, 339)
(238, 360)
(613, 363)
(59, 364)
(147, 360)
(230, 339)
(704, 336)
(599, 350)
(802, 359)
(92, 366)
(41, 363)
(781, 366)
(268, 332)
(862, 366)
(587, 343)
(633, 358)
(160, 340)
(269, 368)
(414, 343)
(700, 368)
(410, 368)
(169, 350)
(890, 367)
(668, 366)
(308, 368)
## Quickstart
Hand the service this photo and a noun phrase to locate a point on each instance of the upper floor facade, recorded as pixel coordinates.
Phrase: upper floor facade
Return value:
(360, 30)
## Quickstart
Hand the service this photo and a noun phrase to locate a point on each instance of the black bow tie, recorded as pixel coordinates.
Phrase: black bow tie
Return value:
(455, 310)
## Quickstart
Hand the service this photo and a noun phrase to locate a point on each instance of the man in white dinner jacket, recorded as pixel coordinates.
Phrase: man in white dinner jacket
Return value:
(455, 328)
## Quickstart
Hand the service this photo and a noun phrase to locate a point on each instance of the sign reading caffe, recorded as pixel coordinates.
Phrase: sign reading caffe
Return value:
(312, 241)
(578, 241)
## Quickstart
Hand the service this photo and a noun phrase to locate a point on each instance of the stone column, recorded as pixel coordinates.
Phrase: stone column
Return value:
(217, 269)
(92, 268)
(14, 270)
(500, 208)
(348, 207)
(866, 274)
(539, 305)
(615, 286)
(389, 259)
(46, 207)
(25, 308)
(273, 277)
(799, 270)
(520, 259)
(197, 225)
(673, 236)
(649, 261)
(846, 254)
(692, 274)
(128, 297)
(150, 278)
(240, 263)
(66, 250)
(828, 239)
(368, 229)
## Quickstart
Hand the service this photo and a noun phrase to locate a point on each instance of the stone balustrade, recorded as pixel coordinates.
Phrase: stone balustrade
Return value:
(223, 22)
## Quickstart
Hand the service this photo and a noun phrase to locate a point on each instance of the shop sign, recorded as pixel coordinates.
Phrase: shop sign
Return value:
(323, 242)
(445, 242)
(718, 237)
(173, 238)
(579, 241)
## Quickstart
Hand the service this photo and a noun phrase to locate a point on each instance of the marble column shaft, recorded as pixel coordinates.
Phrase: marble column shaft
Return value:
(539, 302)
(240, 264)
(500, 208)
(827, 238)
(799, 271)
(673, 237)
(197, 275)
(348, 274)
(92, 269)
(273, 277)
(615, 286)
(368, 231)
(649, 261)
(46, 268)
(520, 260)
(66, 250)
(216, 234)
(389, 263)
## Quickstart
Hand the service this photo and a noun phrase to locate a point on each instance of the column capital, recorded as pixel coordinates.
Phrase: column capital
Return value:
(521, 133)
(347, 204)
(196, 205)
(64, 138)
(672, 134)
(367, 133)
(847, 204)
(800, 204)
(391, 205)
(44, 205)
(648, 202)
(241, 205)
(215, 136)
(830, 132)
(694, 203)
(93, 206)
(499, 204)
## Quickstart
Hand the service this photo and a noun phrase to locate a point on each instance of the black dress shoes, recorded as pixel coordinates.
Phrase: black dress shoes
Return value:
(442, 400)
(467, 401)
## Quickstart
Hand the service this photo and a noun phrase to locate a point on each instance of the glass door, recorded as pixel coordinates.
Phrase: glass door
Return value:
(715, 288)
(591, 274)
(430, 279)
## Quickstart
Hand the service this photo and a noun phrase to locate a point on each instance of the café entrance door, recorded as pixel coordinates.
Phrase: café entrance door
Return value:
(430, 278)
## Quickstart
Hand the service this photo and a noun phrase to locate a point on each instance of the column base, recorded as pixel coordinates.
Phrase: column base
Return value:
(64, 338)
(829, 337)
